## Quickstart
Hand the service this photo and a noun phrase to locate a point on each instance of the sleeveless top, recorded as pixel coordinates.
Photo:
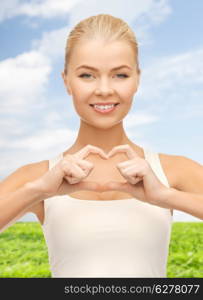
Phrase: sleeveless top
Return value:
(110, 238)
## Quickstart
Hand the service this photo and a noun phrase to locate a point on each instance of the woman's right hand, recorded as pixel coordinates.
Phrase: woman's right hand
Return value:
(67, 175)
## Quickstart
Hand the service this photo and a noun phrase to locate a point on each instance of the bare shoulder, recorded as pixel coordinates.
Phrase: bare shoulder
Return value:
(183, 172)
(21, 176)
(170, 165)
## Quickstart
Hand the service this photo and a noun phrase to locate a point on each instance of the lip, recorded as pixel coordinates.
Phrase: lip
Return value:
(106, 111)
(103, 103)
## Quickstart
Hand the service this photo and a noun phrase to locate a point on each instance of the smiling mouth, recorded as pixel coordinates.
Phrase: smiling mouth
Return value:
(104, 108)
(104, 105)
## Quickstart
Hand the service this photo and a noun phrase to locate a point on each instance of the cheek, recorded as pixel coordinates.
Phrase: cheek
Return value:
(126, 94)
(80, 98)
(81, 91)
(128, 89)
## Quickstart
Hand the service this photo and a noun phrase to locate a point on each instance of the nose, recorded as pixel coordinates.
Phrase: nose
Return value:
(103, 89)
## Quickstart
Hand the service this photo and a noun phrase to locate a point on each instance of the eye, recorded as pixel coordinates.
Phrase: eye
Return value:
(123, 75)
(85, 75)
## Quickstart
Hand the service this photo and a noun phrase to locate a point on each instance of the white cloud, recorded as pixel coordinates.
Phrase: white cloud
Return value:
(139, 14)
(12, 127)
(169, 72)
(131, 10)
(44, 139)
(174, 83)
(47, 8)
(52, 44)
(23, 80)
(42, 144)
(51, 119)
(33, 8)
(159, 11)
(142, 14)
(8, 8)
(139, 118)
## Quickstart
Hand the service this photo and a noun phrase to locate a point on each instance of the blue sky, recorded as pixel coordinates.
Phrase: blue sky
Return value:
(37, 117)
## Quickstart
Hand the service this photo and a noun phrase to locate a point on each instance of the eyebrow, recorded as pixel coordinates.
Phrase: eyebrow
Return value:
(92, 68)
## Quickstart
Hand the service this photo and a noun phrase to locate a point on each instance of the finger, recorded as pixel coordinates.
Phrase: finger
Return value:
(116, 186)
(72, 180)
(130, 179)
(129, 174)
(124, 164)
(84, 152)
(131, 162)
(130, 170)
(134, 180)
(67, 188)
(73, 173)
(72, 169)
(85, 165)
(136, 192)
(123, 148)
(87, 186)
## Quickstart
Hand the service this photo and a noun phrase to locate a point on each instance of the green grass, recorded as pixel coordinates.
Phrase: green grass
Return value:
(186, 250)
(23, 252)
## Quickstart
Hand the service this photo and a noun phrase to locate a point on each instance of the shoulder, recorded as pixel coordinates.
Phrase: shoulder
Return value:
(185, 174)
(21, 176)
(34, 170)
(168, 163)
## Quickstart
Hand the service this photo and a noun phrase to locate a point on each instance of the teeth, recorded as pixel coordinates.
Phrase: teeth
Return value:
(104, 106)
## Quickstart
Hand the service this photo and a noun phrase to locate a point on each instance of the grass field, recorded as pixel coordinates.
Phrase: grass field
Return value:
(23, 252)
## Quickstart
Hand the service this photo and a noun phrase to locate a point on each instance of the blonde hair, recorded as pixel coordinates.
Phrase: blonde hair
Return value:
(104, 26)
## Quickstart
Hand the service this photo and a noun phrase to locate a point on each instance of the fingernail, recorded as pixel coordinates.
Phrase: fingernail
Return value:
(105, 155)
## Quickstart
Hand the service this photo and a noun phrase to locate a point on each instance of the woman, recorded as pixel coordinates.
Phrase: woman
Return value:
(105, 204)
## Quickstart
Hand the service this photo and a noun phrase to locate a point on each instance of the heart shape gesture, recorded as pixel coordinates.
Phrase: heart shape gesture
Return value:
(141, 182)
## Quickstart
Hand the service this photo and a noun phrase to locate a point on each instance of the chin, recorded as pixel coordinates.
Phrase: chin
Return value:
(103, 125)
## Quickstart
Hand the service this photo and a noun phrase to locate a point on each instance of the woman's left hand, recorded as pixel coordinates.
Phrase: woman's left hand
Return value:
(142, 183)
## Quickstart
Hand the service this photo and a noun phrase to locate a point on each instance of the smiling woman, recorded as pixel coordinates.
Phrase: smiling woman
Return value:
(101, 70)
(104, 216)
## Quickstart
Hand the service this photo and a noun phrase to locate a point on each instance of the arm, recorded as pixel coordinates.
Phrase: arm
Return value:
(14, 191)
(187, 193)
(189, 203)
(17, 202)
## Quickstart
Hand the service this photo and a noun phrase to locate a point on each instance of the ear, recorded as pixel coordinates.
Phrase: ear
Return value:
(138, 77)
(66, 82)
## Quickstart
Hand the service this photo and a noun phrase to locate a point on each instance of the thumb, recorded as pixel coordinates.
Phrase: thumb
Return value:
(116, 186)
(86, 186)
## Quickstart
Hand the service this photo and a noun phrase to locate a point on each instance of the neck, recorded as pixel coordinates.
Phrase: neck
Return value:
(103, 138)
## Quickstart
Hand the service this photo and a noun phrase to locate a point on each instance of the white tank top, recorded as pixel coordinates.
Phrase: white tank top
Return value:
(111, 238)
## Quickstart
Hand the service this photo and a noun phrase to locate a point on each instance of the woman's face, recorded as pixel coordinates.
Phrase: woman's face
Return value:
(93, 79)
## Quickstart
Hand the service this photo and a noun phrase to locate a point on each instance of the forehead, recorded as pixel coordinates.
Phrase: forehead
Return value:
(100, 53)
